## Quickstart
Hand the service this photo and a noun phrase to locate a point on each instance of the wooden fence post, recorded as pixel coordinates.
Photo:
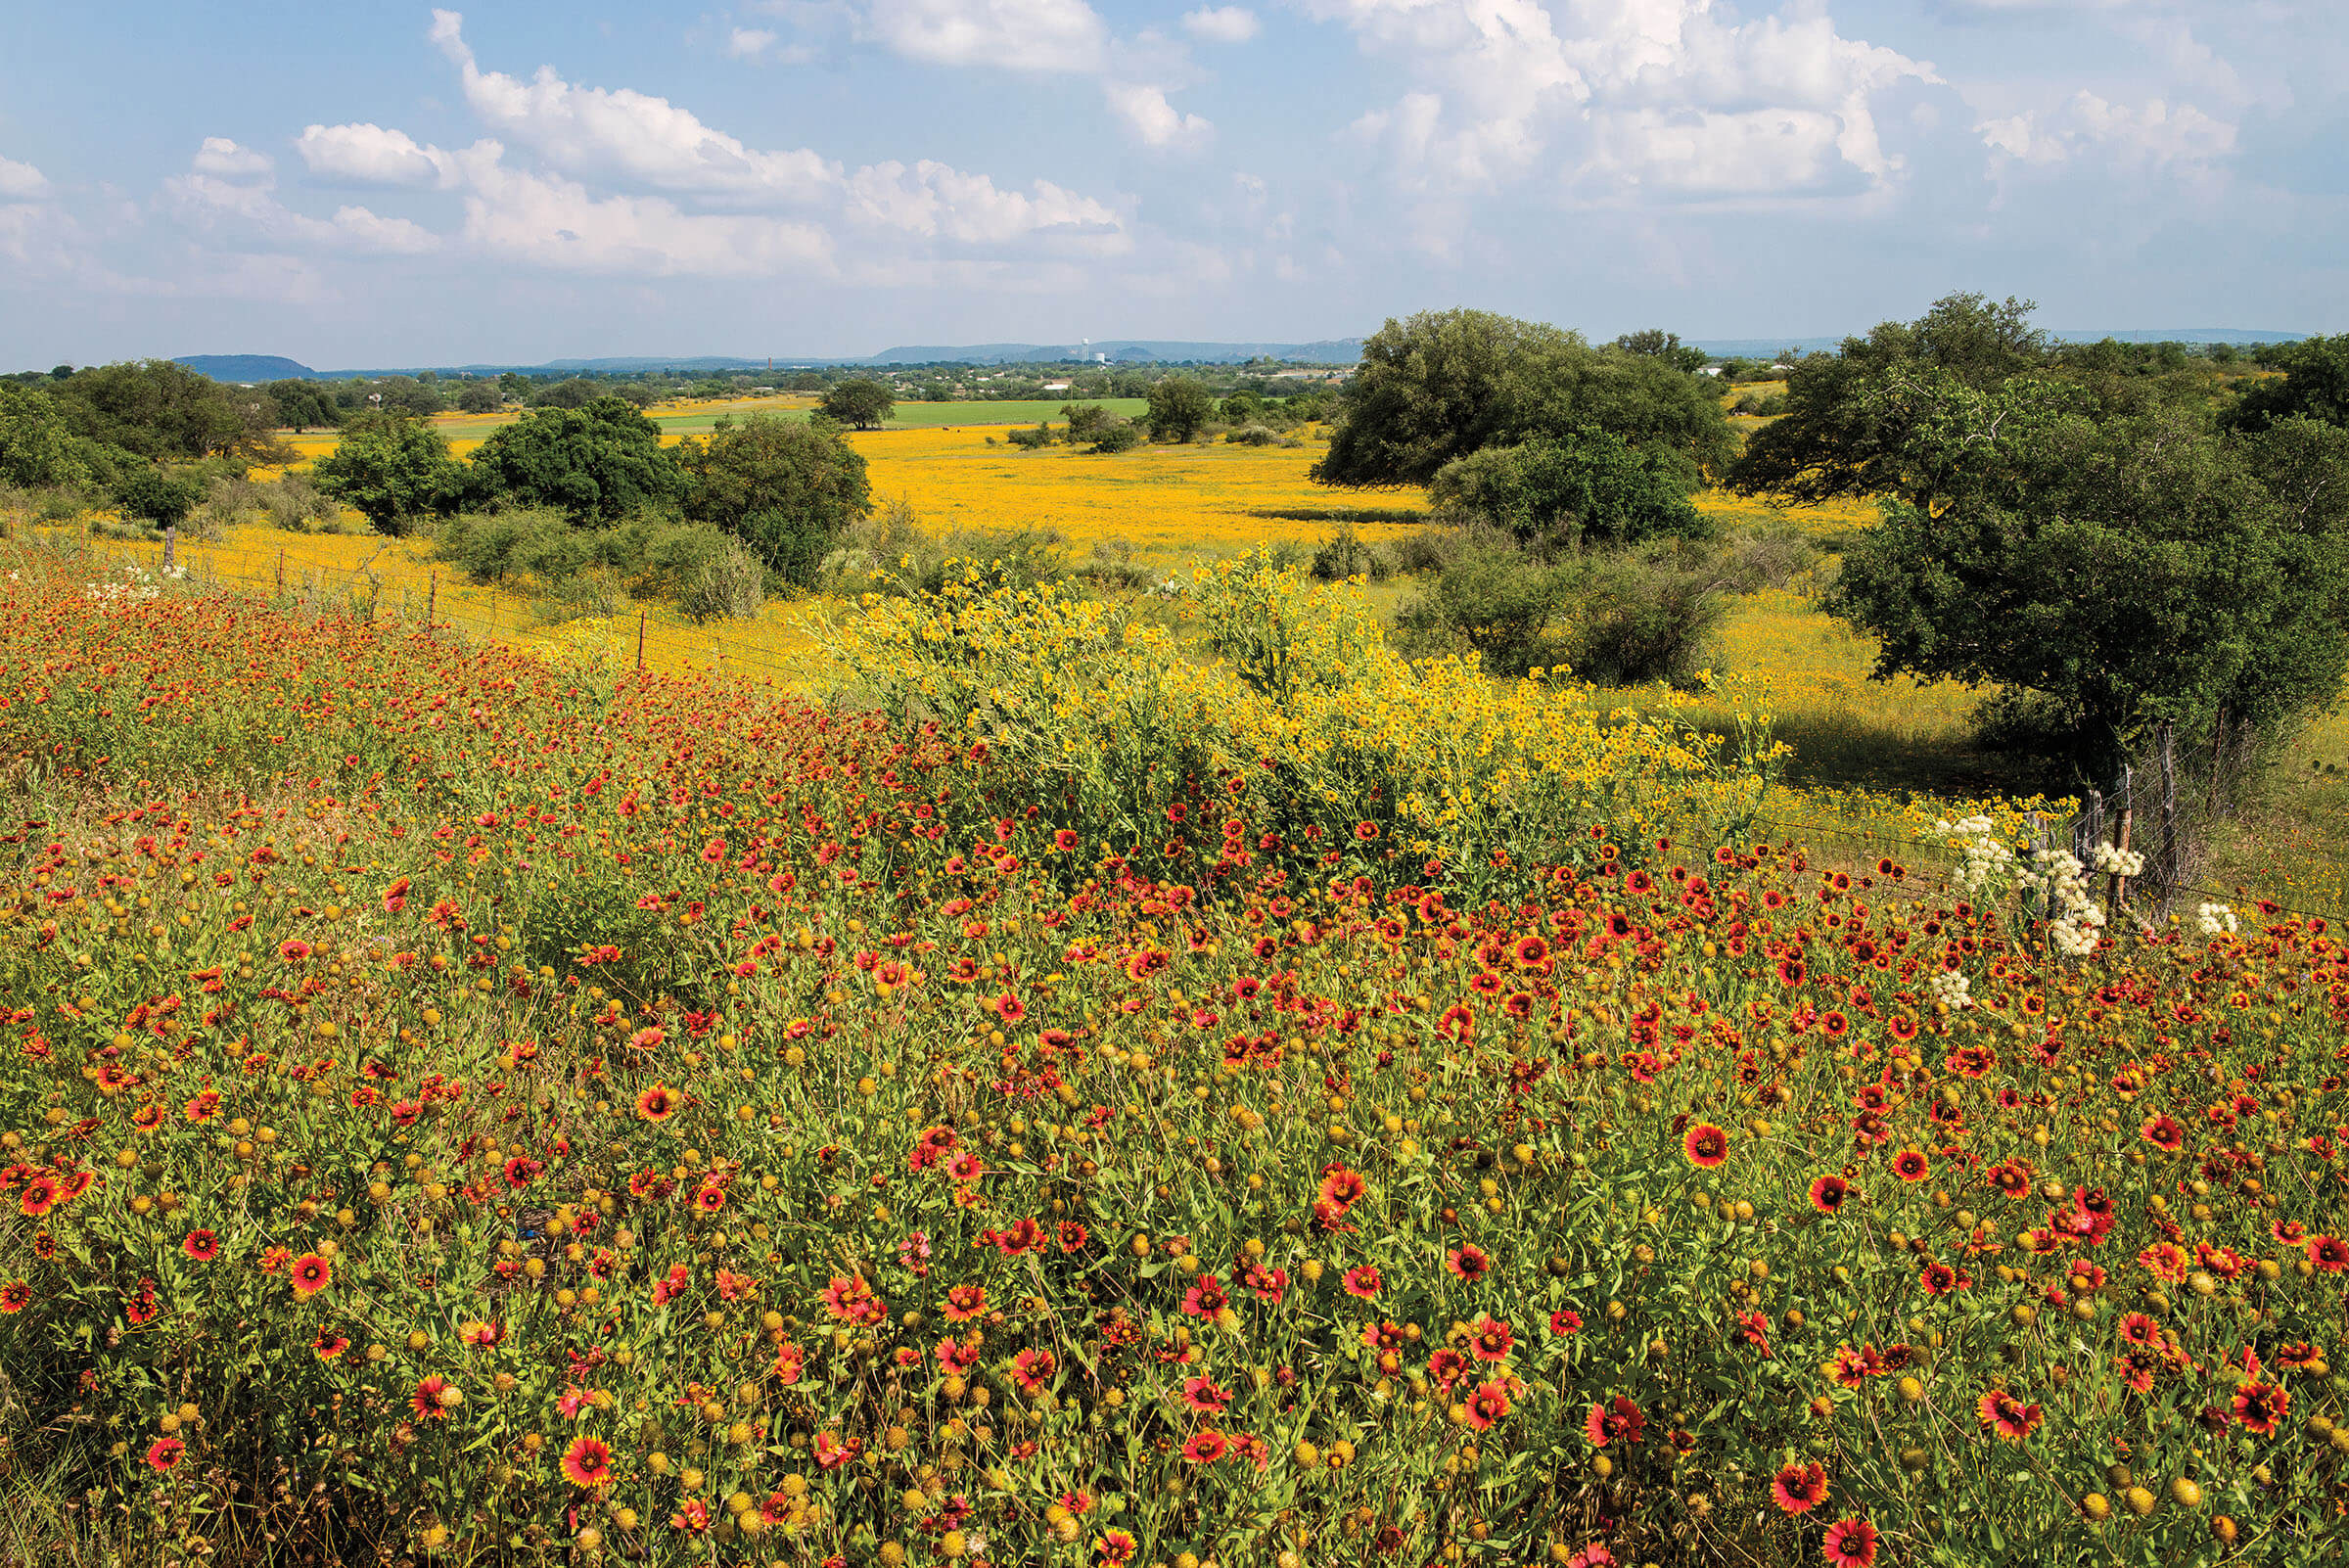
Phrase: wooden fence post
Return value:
(432, 601)
(2169, 813)
(640, 615)
(281, 569)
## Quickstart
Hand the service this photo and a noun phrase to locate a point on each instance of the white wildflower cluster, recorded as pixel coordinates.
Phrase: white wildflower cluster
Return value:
(1951, 990)
(2117, 862)
(2074, 922)
(1987, 860)
(138, 585)
(2214, 919)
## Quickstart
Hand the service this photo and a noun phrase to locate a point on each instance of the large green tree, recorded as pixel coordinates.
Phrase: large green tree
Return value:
(2315, 385)
(144, 490)
(36, 445)
(168, 412)
(302, 404)
(2110, 572)
(1587, 486)
(860, 402)
(1846, 428)
(595, 464)
(1178, 405)
(1441, 385)
(787, 488)
(393, 470)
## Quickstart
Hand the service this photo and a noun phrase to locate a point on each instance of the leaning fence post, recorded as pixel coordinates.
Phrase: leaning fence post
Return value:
(640, 615)
(432, 601)
(2168, 814)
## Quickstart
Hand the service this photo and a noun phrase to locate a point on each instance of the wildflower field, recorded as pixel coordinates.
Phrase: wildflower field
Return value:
(1091, 1105)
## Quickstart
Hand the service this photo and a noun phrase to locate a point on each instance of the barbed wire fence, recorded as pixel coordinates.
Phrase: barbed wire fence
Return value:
(2162, 807)
(631, 638)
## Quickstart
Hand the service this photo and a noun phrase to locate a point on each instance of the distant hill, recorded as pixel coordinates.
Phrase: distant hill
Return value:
(1114, 351)
(247, 367)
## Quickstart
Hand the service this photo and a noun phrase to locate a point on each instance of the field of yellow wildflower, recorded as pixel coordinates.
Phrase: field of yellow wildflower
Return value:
(1094, 1106)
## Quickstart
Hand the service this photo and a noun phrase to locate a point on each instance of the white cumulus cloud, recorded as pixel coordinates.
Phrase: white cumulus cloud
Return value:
(937, 202)
(246, 212)
(1036, 36)
(546, 220)
(371, 155)
(20, 182)
(1228, 24)
(2152, 136)
(223, 159)
(624, 133)
(1157, 122)
(1656, 95)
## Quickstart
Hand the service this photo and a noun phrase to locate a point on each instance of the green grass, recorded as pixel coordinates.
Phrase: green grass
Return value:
(1029, 412)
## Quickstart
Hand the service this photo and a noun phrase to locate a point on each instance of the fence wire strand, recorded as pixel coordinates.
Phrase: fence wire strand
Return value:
(2084, 830)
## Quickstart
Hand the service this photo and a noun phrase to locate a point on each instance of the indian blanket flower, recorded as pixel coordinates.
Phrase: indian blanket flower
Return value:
(309, 1275)
(1488, 1405)
(1616, 1420)
(2001, 1413)
(1799, 1487)
(1705, 1145)
(2261, 1406)
(1850, 1544)
(587, 1463)
(431, 1399)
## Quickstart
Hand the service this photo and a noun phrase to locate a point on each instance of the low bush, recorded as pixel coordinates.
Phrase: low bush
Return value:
(722, 582)
(1118, 435)
(1116, 567)
(1344, 555)
(707, 572)
(495, 547)
(1492, 601)
(1647, 615)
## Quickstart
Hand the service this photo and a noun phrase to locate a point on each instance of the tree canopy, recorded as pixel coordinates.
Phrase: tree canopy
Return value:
(2118, 570)
(1849, 415)
(302, 404)
(598, 463)
(1441, 385)
(787, 488)
(144, 490)
(392, 469)
(2315, 385)
(37, 445)
(164, 411)
(1589, 486)
(860, 402)
(1178, 406)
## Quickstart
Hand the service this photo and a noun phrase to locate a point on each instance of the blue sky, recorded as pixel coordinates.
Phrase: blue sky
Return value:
(386, 183)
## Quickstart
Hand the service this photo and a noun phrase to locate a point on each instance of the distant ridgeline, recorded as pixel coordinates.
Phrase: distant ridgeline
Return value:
(1108, 350)
(1114, 352)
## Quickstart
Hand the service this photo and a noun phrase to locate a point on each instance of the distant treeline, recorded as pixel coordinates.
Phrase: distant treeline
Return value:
(303, 403)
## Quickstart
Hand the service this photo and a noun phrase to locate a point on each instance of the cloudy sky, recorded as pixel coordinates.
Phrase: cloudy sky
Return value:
(382, 183)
